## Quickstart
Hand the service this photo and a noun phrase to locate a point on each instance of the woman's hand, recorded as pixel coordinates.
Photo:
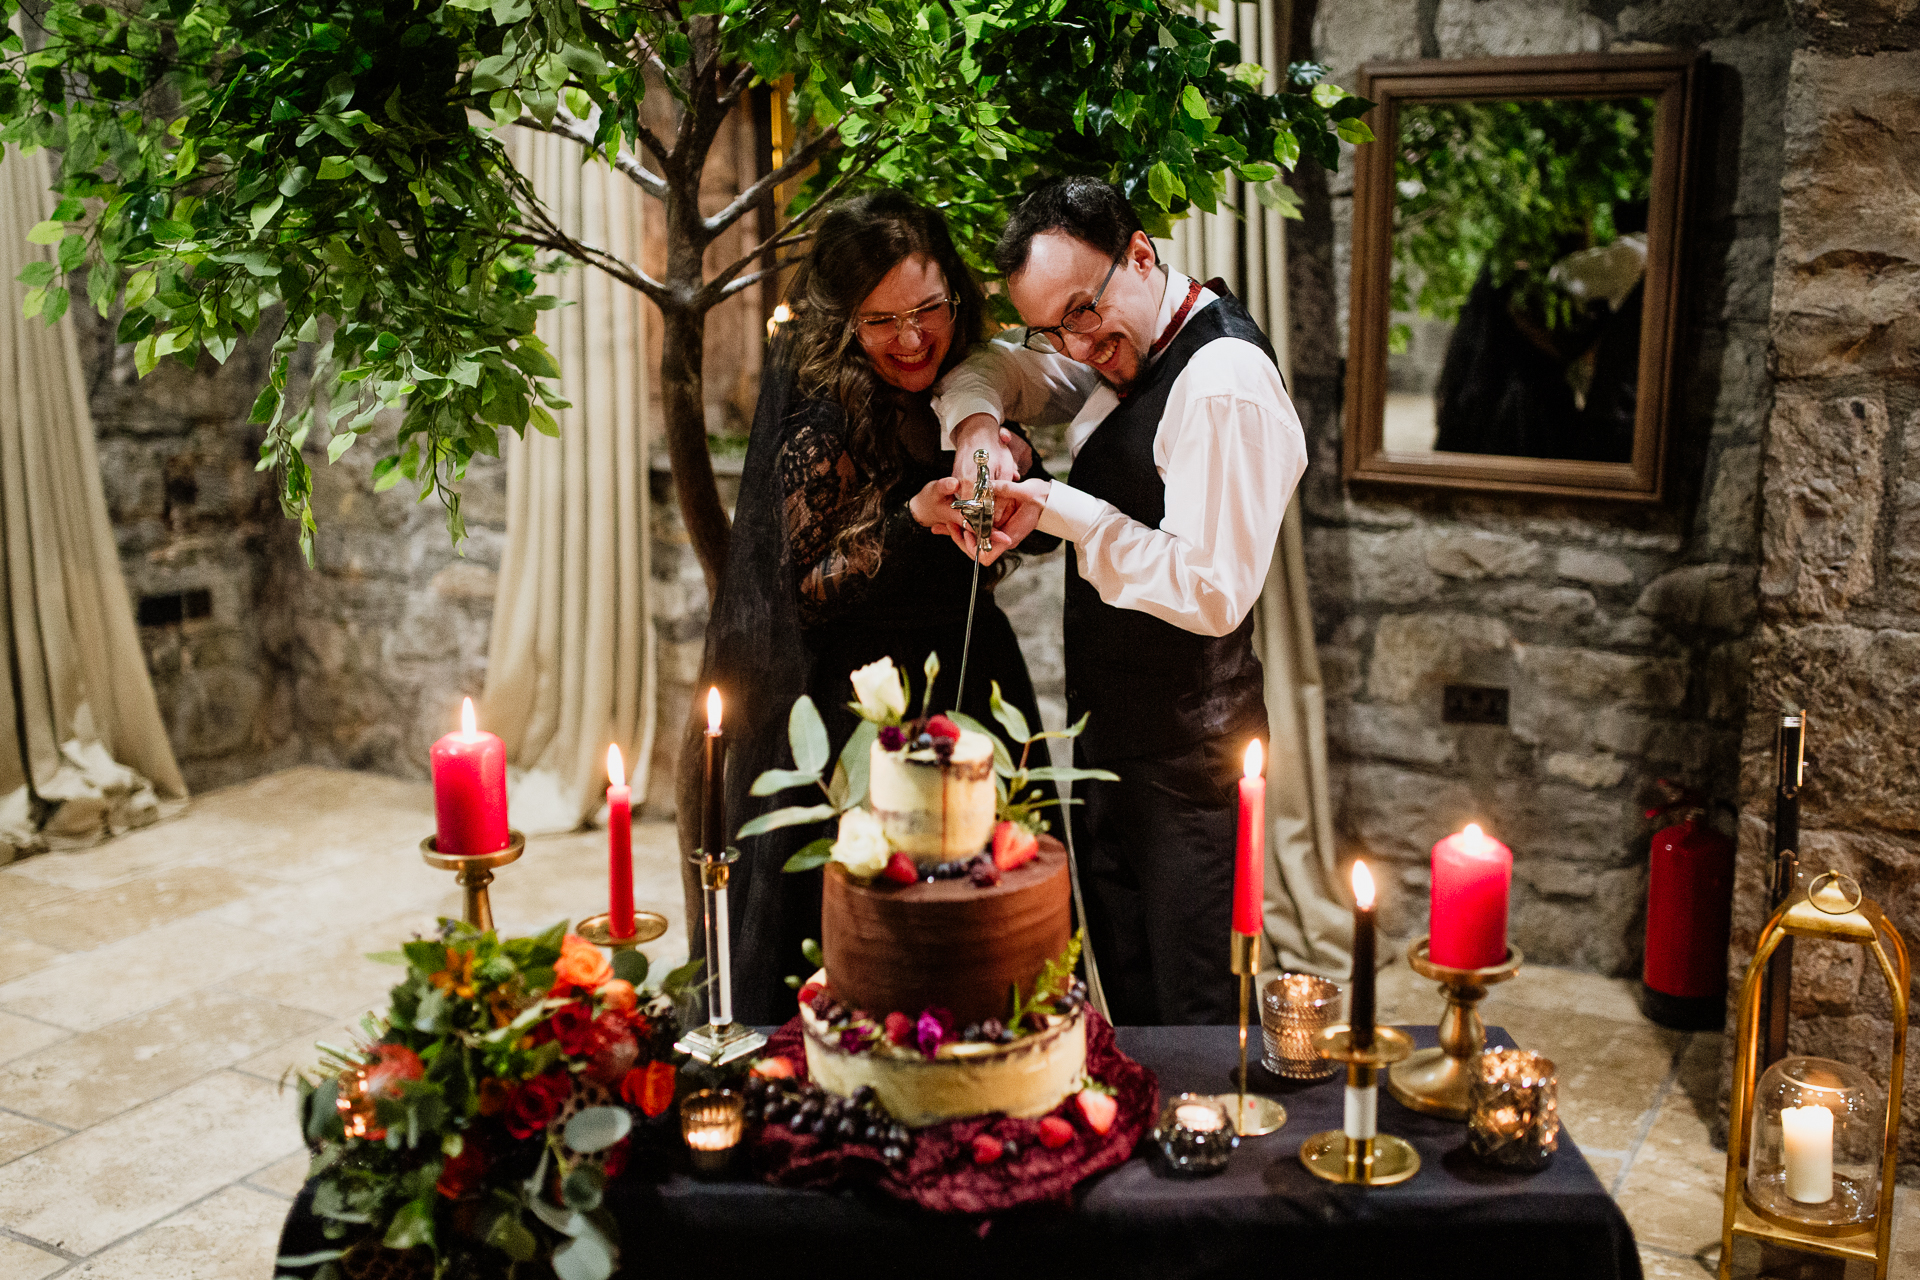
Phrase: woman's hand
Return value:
(932, 507)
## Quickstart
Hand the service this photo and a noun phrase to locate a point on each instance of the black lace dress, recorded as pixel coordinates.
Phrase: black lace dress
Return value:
(826, 617)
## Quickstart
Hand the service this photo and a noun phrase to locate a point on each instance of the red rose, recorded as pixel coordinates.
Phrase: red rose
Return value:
(536, 1102)
(573, 1027)
(393, 1065)
(613, 1052)
(649, 1088)
(616, 1161)
(461, 1174)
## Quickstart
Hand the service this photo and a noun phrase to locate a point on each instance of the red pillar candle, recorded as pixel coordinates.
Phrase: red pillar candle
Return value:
(1250, 853)
(469, 790)
(1360, 1017)
(619, 847)
(1472, 873)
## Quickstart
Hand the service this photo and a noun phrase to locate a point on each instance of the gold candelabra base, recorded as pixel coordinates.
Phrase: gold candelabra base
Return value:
(1380, 1159)
(473, 873)
(1254, 1116)
(1434, 1081)
(647, 925)
(718, 1044)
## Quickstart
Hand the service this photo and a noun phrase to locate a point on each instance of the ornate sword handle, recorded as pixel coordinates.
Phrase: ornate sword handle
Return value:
(978, 509)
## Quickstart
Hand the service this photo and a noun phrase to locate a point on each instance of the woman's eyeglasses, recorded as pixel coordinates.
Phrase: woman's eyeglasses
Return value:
(934, 318)
(1084, 318)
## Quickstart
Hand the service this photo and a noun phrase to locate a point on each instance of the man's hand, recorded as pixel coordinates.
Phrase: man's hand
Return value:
(982, 431)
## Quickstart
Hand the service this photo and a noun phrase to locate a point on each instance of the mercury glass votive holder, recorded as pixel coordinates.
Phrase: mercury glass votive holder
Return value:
(713, 1121)
(1195, 1135)
(1293, 1007)
(1513, 1111)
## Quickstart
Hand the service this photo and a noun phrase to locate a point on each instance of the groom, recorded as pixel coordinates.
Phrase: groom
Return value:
(1186, 451)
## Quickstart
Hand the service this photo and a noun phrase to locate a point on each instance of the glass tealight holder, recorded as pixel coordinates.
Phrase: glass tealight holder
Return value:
(713, 1122)
(1815, 1159)
(1293, 1007)
(1513, 1109)
(1195, 1135)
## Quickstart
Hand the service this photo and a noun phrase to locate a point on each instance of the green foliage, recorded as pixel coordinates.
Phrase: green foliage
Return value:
(1056, 976)
(1510, 187)
(319, 166)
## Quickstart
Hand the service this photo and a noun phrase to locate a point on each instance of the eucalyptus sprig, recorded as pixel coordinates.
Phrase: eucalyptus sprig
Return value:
(1017, 799)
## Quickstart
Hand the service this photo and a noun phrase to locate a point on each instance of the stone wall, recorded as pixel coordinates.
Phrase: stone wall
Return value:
(1839, 627)
(1622, 633)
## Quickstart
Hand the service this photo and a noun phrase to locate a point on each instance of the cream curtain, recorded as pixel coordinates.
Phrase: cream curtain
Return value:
(1308, 925)
(88, 755)
(571, 660)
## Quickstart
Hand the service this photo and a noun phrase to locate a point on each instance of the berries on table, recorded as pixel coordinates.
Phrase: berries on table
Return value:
(1055, 1132)
(986, 1149)
(1098, 1108)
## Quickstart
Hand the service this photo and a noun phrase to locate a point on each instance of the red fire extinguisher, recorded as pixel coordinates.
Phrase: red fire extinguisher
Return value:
(1689, 915)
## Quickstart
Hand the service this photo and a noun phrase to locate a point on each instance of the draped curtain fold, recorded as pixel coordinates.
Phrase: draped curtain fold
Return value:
(571, 659)
(84, 753)
(1308, 925)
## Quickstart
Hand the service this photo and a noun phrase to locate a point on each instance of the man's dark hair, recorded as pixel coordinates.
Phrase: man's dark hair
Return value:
(1085, 208)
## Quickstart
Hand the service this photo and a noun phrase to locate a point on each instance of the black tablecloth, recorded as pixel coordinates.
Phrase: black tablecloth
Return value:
(1265, 1215)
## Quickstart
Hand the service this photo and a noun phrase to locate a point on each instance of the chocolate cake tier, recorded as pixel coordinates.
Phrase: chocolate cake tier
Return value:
(902, 948)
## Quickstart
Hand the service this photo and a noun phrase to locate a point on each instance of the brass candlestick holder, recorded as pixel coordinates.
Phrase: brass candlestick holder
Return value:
(1435, 1080)
(1253, 1116)
(473, 873)
(722, 1039)
(647, 925)
(1358, 1154)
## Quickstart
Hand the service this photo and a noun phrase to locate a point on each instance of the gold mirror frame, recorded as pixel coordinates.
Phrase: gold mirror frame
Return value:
(1671, 80)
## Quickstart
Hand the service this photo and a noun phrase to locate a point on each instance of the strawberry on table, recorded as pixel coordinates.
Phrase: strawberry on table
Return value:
(1013, 845)
(986, 1149)
(1098, 1108)
(1055, 1132)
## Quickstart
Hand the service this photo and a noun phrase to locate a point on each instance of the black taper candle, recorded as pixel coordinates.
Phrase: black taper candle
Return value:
(1360, 1020)
(713, 810)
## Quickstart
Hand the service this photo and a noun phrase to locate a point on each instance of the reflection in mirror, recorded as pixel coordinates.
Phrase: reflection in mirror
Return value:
(1519, 259)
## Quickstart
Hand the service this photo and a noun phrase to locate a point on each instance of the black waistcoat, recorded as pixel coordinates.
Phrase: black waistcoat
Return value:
(1151, 687)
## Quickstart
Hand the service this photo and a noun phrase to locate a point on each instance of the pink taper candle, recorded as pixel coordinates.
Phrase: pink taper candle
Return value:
(1250, 853)
(469, 790)
(1472, 873)
(619, 847)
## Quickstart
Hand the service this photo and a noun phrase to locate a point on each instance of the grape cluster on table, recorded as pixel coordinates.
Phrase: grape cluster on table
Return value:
(809, 1110)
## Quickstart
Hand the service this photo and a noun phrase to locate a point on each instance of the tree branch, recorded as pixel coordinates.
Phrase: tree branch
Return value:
(755, 277)
(575, 129)
(794, 165)
(547, 234)
(741, 80)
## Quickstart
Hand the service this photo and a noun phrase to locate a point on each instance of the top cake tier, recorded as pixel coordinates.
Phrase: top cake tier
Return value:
(934, 810)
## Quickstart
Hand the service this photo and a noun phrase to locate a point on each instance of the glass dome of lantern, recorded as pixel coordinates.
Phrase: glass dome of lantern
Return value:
(1817, 1141)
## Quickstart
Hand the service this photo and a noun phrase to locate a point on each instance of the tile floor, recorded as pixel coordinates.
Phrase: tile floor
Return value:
(154, 991)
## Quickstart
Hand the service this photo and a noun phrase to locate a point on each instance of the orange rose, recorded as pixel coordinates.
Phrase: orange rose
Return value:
(649, 1088)
(618, 995)
(581, 963)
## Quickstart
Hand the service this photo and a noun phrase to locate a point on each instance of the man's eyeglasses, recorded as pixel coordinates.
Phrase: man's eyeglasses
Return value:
(934, 318)
(1084, 318)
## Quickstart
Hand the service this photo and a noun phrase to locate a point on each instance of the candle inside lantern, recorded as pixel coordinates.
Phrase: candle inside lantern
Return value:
(1194, 1116)
(469, 790)
(1472, 875)
(1250, 853)
(1360, 1017)
(1808, 1137)
(619, 846)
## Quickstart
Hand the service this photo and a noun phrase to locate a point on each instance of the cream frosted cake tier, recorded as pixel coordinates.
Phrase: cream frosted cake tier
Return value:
(934, 810)
(1026, 1078)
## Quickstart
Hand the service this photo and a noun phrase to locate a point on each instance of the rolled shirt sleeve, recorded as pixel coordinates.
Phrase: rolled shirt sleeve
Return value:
(1012, 383)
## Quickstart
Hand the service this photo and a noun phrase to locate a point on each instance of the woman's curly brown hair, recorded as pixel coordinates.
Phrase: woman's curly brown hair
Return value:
(857, 243)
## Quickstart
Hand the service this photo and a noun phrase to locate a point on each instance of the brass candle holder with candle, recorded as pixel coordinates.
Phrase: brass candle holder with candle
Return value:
(471, 837)
(620, 926)
(1357, 1153)
(1253, 1115)
(721, 1040)
(1435, 1081)
(1811, 1144)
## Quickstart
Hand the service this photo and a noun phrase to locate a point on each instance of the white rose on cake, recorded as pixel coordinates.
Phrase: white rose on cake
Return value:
(877, 688)
(862, 846)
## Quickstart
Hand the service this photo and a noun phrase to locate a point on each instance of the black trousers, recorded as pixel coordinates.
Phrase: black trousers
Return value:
(1155, 851)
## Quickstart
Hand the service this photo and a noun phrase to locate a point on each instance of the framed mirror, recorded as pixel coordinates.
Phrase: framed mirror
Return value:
(1517, 240)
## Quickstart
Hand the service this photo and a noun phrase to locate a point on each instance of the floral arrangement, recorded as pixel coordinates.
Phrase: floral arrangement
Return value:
(881, 700)
(484, 1114)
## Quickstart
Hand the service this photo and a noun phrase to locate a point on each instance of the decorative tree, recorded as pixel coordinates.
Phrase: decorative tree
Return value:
(340, 160)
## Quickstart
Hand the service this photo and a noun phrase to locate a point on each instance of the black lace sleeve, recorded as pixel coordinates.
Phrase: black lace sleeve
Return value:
(823, 490)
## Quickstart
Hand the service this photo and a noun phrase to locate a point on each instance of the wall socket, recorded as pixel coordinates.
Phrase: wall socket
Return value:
(175, 606)
(1473, 704)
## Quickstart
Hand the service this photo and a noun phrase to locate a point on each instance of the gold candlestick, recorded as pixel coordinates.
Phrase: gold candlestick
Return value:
(1435, 1080)
(1378, 1159)
(1256, 1116)
(647, 925)
(473, 873)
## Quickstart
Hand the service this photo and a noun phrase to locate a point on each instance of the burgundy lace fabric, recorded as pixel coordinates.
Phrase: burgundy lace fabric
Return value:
(941, 1175)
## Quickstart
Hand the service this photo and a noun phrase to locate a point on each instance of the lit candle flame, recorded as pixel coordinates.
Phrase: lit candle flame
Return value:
(713, 711)
(1476, 839)
(781, 314)
(467, 726)
(1362, 886)
(1256, 759)
(616, 766)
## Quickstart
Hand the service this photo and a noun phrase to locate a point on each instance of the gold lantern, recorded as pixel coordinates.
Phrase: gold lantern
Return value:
(1810, 1146)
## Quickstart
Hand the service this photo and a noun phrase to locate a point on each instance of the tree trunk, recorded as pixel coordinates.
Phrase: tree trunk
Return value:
(683, 343)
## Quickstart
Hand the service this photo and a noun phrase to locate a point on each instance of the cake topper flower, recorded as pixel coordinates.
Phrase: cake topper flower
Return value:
(879, 692)
(862, 846)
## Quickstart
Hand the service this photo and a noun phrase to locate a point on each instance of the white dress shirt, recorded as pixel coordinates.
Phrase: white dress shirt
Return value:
(1229, 450)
